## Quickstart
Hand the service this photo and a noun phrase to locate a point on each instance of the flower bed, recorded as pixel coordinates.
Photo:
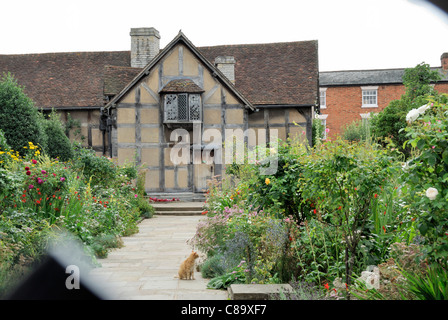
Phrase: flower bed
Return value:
(332, 212)
(41, 196)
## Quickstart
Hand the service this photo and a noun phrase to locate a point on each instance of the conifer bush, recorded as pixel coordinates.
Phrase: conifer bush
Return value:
(19, 119)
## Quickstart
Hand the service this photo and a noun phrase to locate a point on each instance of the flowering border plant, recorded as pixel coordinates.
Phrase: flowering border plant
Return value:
(426, 174)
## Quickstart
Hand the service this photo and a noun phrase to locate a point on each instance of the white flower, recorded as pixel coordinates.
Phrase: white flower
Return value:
(423, 108)
(412, 115)
(432, 193)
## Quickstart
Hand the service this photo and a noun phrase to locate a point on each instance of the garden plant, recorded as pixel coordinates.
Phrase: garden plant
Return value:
(333, 211)
(50, 186)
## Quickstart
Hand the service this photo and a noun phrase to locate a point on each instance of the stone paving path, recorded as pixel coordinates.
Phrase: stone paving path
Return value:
(146, 266)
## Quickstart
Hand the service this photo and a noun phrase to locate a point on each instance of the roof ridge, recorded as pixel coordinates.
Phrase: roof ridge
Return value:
(257, 44)
(61, 53)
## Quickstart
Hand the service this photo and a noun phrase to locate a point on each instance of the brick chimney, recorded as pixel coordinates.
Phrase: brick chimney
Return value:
(145, 45)
(444, 60)
(226, 64)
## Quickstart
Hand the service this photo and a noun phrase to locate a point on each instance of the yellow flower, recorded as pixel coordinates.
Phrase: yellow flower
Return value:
(267, 181)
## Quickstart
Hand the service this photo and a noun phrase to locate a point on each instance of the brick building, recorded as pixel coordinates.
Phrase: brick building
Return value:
(346, 96)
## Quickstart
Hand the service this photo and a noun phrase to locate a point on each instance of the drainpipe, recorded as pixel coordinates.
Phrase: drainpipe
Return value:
(106, 123)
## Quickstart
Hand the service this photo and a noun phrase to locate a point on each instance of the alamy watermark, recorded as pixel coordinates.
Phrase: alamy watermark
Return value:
(207, 147)
(72, 281)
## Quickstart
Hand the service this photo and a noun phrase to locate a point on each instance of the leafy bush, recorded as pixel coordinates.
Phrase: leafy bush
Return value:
(99, 169)
(236, 276)
(358, 130)
(390, 122)
(426, 174)
(212, 267)
(19, 119)
(40, 196)
(433, 285)
(4, 149)
(58, 144)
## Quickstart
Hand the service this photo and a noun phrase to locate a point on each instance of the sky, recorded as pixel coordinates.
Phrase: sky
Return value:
(351, 34)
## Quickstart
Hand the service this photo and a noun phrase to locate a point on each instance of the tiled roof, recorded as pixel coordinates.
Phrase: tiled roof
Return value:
(182, 85)
(63, 79)
(274, 73)
(116, 78)
(366, 77)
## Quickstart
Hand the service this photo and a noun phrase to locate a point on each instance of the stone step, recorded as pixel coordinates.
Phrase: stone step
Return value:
(182, 196)
(178, 213)
(178, 208)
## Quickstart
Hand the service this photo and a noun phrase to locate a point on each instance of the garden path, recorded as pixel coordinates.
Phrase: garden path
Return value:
(146, 266)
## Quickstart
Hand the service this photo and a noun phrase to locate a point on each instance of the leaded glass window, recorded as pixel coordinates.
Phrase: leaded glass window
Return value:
(195, 107)
(171, 107)
(182, 107)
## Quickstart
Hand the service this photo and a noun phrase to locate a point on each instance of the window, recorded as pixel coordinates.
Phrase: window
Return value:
(182, 107)
(323, 97)
(369, 97)
(323, 119)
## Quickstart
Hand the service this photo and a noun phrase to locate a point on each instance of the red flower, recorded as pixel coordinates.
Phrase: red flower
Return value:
(205, 212)
(315, 211)
(27, 168)
(327, 286)
(28, 173)
(375, 195)
(384, 228)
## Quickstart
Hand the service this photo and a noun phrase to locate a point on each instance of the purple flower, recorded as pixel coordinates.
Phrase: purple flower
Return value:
(30, 186)
(62, 179)
(40, 181)
(44, 172)
(136, 195)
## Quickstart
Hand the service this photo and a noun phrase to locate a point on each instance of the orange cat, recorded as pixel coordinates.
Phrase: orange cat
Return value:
(186, 270)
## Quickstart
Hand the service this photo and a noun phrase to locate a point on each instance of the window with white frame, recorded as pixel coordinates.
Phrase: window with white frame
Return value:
(323, 120)
(182, 107)
(323, 98)
(370, 97)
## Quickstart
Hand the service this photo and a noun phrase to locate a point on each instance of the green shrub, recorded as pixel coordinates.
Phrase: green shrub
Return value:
(317, 130)
(433, 285)
(357, 131)
(103, 243)
(19, 119)
(213, 267)
(100, 170)
(425, 175)
(390, 122)
(4, 149)
(58, 144)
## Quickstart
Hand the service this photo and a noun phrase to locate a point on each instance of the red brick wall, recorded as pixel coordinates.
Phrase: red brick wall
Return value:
(441, 87)
(344, 104)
